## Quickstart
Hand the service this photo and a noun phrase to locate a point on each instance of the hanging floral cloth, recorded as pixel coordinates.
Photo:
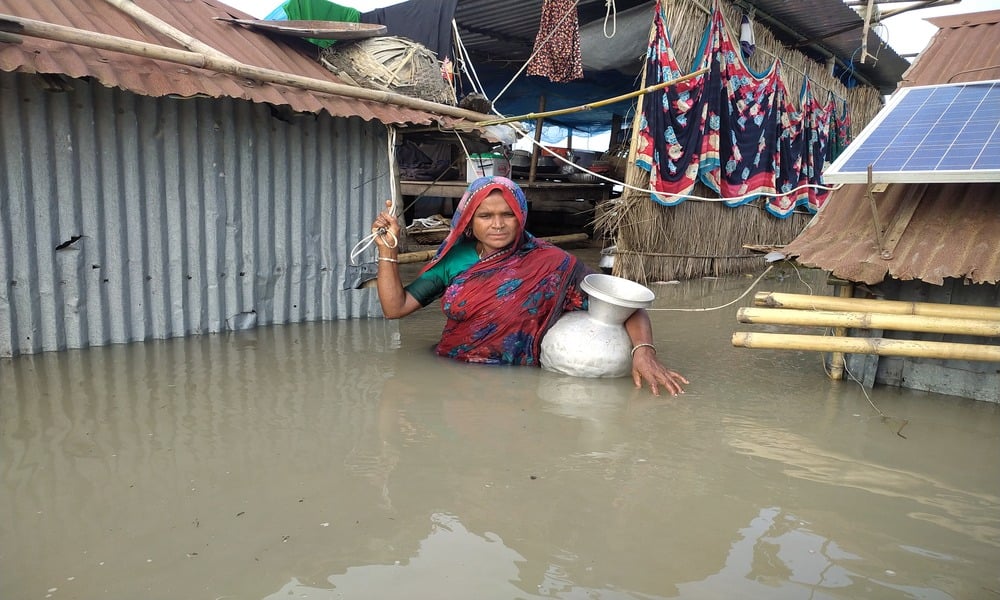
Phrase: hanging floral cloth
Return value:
(556, 54)
(673, 120)
(803, 150)
(840, 134)
(741, 140)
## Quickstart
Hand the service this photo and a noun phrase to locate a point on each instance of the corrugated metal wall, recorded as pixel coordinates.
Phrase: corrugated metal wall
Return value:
(127, 218)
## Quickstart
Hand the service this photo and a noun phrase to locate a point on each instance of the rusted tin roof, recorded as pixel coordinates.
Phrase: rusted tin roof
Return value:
(965, 48)
(149, 77)
(932, 231)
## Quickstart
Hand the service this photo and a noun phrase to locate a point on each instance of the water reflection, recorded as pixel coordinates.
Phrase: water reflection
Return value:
(346, 460)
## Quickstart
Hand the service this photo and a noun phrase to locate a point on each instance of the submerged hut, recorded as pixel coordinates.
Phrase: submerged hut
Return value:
(927, 234)
(164, 172)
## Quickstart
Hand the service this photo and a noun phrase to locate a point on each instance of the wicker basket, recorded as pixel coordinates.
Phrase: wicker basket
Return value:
(430, 230)
(392, 64)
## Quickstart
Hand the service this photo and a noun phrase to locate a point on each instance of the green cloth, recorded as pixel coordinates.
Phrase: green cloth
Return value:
(320, 10)
(433, 282)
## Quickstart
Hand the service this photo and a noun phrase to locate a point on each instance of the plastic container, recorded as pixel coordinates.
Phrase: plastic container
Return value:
(486, 165)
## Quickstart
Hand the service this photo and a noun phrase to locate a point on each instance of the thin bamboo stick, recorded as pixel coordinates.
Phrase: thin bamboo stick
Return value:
(191, 43)
(539, 123)
(894, 307)
(867, 320)
(92, 39)
(593, 105)
(635, 178)
(879, 346)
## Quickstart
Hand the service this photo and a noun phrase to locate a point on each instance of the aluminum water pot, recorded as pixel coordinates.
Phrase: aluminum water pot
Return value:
(593, 342)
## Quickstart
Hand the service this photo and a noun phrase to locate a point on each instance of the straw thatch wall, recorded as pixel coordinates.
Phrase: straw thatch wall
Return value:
(699, 238)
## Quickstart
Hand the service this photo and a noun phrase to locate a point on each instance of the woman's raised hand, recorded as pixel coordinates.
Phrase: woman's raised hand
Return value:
(386, 228)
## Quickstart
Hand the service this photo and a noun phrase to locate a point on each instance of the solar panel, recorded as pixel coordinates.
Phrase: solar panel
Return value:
(928, 134)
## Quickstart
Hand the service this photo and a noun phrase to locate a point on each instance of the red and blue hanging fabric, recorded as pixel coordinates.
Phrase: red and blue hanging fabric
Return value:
(802, 154)
(840, 133)
(741, 140)
(732, 128)
(673, 120)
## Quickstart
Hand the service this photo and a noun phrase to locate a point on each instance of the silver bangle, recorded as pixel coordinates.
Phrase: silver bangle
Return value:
(387, 259)
(637, 346)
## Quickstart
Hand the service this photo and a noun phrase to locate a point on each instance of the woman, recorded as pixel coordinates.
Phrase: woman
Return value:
(502, 287)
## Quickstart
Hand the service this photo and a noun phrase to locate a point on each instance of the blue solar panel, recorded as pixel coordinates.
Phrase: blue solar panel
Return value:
(940, 133)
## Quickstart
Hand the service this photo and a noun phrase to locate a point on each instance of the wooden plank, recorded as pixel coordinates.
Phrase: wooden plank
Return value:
(321, 30)
(902, 217)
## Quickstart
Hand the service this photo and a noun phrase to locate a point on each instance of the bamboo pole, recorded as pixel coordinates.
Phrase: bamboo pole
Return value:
(867, 320)
(879, 346)
(894, 307)
(539, 123)
(426, 255)
(837, 359)
(593, 105)
(635, 178)
(92, 39)
(193, 44)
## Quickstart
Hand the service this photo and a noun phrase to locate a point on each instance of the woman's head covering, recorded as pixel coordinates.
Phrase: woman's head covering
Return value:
(473, 197)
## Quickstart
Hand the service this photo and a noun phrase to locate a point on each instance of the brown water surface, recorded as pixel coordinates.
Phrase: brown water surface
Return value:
(344, 460)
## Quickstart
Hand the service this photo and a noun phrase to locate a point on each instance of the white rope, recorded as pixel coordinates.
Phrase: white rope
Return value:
(464, 149)
(467, 66)
(741, 296)
(612, 12)
(366, 242)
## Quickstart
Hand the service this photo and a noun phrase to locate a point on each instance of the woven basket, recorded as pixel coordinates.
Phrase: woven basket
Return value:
(431, 230)
(392, 64)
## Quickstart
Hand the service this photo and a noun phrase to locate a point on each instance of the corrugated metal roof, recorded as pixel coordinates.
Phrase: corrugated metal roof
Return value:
(156, 78)
(965, 48)
(954, 230)
(825, 26)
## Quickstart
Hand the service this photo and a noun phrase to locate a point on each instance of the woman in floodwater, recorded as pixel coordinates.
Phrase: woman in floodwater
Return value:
(502, 287)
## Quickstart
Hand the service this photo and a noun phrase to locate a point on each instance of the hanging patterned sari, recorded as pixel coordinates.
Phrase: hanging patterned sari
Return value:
(804, 135)
(731, 128)
(741, 139)
(500, 307)
(673, 120)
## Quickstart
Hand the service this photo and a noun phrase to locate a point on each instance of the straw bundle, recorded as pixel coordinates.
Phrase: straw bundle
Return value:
(698, 238)
(392, 64)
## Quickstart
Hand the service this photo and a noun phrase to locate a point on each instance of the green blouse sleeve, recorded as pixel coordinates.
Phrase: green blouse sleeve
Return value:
(431, 284)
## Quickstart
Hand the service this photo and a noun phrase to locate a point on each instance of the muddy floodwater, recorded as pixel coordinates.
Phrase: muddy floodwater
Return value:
(344, 460)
